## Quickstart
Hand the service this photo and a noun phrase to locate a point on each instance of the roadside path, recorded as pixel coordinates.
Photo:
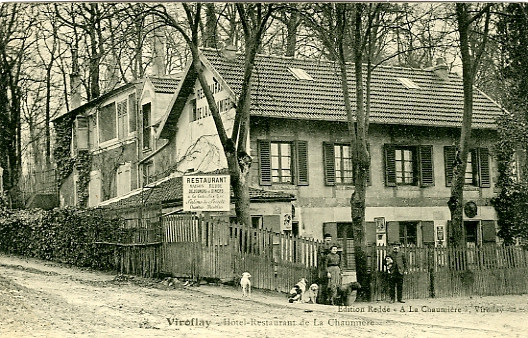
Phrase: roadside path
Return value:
(46, 299)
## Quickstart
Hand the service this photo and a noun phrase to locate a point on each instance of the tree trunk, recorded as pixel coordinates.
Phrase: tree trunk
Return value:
(456, 201)
(291, 37)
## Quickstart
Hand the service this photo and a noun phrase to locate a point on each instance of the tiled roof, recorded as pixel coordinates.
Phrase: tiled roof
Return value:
(277, 93)
(170, 190)
(166, 85)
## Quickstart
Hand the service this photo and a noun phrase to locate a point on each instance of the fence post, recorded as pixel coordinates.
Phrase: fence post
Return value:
(430, 268)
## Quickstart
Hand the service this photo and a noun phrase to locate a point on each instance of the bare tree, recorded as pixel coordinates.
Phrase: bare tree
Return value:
(254, 19)
(16, 27)
(352, 31)
(472, 46)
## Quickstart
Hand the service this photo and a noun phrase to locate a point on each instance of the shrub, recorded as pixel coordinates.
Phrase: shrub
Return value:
(70, 235)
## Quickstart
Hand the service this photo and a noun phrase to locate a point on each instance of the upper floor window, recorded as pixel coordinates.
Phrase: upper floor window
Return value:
(132, 112)
(107, 122)
(80, 134)
(117, 119)
(409, 165)
(283, 162)
(477, 170)
(405, 161)
(338, 163)
(146, 125)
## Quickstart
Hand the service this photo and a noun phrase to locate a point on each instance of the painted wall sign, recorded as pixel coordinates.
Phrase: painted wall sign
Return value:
(206, 193)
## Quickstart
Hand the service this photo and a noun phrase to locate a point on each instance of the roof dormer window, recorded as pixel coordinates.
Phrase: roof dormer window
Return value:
(408, 83)
(300, 74)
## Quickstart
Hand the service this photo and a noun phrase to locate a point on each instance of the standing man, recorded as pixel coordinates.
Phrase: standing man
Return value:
(396, 272)
(324, 250)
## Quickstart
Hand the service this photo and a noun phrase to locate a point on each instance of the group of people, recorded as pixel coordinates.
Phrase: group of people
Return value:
(330, 276)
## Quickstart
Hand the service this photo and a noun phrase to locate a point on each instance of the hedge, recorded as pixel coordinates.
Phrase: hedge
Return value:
(71, 235)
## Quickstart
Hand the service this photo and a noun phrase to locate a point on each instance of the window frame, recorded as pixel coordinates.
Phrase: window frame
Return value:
(330, 170)
(340, 177)
(105, 109)
(403, 160)
(299, 162)
(480, 162)
(280, 156)
(422, 165)
(146, 143)
(403, 232)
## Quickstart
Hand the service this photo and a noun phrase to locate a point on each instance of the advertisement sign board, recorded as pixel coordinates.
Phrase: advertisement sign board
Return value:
(206, 193)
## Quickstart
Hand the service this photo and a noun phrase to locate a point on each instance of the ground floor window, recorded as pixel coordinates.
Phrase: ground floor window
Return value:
(345, 238)
(408, 233)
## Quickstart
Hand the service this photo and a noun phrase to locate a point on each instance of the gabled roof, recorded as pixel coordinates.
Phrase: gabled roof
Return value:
(277, 93)
(166, 84)
(169, 190)
(98, 100)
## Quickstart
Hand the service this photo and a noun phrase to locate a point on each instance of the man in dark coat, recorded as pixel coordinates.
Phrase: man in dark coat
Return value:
(324, 250)
(396, 272)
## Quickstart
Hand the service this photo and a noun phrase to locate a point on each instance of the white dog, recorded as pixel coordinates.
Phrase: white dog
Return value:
(297, 292)
(311, 294)
(245, 283)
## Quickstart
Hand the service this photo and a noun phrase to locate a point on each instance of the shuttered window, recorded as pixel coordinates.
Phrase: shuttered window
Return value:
(106, 122)
(477, 170)
(283, 162)
(338, 166)
(409, 165)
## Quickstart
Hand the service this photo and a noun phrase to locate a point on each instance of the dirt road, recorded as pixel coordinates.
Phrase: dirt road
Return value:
(43, 299)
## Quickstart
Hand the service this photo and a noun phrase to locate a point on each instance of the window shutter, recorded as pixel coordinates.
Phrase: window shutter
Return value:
(426, 166)
(484, 167)
(265, 162)
(330, 228)
(428, 232)
(489, 232)
(475, 167)
(370, 232)
(390, 166)
(393, 232)
(329, 163)
(122, 128)
(301, 148)
(449, 162)
(271, 223)
(132, 112)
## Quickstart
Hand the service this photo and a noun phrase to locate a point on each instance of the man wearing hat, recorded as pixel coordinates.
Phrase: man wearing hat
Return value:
(396, 272)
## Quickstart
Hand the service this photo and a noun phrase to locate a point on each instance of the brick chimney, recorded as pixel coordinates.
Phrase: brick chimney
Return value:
(441, 69)
(75, 81)
(229, 51)
(158, 62)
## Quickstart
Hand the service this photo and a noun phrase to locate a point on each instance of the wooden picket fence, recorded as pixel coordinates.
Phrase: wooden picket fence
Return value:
(489, 270)
(200, 247)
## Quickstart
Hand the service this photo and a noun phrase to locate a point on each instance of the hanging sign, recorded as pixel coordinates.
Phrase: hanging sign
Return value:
(206, 193)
